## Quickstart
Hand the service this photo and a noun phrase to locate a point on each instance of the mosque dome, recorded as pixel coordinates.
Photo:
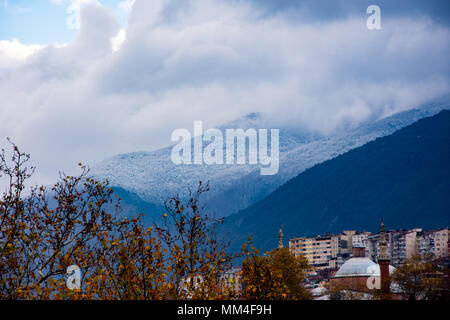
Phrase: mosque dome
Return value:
(360, 267)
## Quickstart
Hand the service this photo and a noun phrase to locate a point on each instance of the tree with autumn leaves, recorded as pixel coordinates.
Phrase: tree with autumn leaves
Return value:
(78, 221)
(421, 278)
(276, 275)
(43, 232)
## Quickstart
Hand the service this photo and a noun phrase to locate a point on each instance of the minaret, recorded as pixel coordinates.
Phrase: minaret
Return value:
(383, 261)
(280, 239)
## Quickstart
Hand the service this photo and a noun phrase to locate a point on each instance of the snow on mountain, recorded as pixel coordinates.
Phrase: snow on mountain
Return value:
(154, 177)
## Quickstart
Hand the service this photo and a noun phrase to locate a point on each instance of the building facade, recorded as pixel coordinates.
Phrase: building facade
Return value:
(321, 251)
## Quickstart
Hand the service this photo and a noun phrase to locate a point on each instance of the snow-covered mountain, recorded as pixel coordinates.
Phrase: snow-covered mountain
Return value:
(154, 177)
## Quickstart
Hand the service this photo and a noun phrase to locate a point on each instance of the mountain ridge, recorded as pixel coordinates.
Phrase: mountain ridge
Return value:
(153, 177)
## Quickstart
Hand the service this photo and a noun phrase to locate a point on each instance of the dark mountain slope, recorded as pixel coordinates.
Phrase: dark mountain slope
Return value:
(404, 178)
(132, 204)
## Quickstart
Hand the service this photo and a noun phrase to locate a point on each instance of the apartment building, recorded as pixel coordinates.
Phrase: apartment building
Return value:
(360, 239)
(321, 251)
(401, 245)
(433, 243)
(345, 248)
(372, 246)
(324, 252)
(397, 244)
(439, 243)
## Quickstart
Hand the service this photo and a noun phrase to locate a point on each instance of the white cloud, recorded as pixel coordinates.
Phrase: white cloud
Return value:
(126, 5)
(118, 40)
(73, 9)
(13, 51)
(113, 91)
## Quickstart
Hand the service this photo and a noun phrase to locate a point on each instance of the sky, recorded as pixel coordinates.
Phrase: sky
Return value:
(83, 80)
(50, 21)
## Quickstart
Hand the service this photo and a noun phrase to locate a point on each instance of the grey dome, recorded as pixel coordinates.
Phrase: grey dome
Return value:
(360, 267)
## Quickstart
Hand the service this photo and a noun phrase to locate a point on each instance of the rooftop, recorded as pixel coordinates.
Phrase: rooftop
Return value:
(360, 267)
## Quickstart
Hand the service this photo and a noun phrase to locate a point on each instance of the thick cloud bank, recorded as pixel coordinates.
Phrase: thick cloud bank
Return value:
(180, 61)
